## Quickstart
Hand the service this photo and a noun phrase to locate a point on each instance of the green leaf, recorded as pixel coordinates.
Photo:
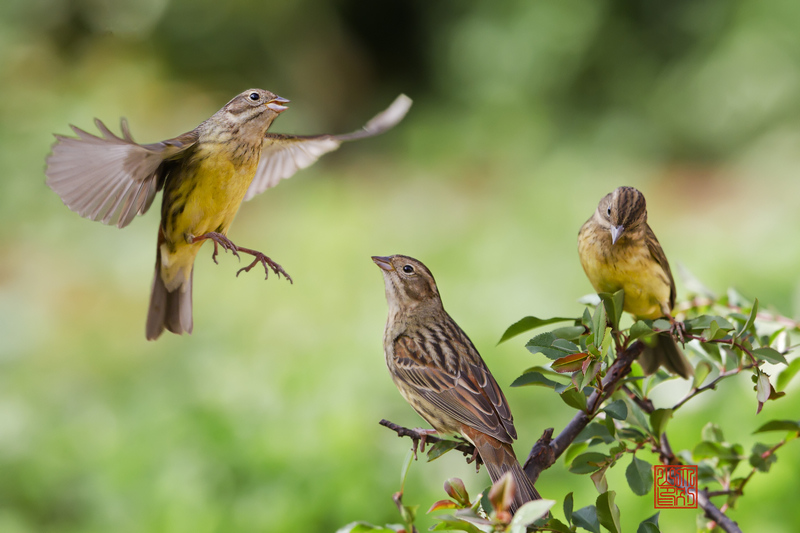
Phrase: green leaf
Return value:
(617, 409)
(613, 304)
(586, 319)
(649, 525)
(640, 476)
(659, 419)
(555, 524)
(751, 319)
(785, 376)
(599, 480)
(779, 425)
(569, 333)
(530, 513)
(770, 355)
(440, 448)
(701, 372)
(630, 433)
(757, 459)
(589, 462)
(713, 332)
(568, 503)
(573, 451)
(575, 399)
(592, 431)
(640, 328)
(452, 523)
(599, 325)
(550, 346)
(586, 517)
(528, 323)
(608, 512)
(661, 324)
(533, 377)
(702, 322)
(712, 433)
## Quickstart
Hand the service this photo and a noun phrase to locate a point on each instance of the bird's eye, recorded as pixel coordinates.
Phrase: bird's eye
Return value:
(255, 97)
(609, 211)
(408, 269)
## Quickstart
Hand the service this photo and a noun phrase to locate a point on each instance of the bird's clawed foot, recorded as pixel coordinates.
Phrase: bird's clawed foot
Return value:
(420, 442)
(221, 240)
(677, 329)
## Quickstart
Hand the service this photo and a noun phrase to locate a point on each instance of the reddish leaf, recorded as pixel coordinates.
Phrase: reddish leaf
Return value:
(570, 363)
(443, 504)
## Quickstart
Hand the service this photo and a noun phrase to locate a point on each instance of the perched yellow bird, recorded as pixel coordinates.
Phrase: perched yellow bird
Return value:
(206, 174)
(619, 251)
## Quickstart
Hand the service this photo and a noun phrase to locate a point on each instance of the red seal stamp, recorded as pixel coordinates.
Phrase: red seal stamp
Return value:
(675, 486)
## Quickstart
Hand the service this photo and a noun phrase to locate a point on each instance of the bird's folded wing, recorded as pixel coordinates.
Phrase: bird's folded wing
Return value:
(469, 395)
(658, 254)
(282, 155)
(111, 179)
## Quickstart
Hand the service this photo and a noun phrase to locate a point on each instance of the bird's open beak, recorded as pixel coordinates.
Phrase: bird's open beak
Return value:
(384, 262)
(275, 104)
(616, 231)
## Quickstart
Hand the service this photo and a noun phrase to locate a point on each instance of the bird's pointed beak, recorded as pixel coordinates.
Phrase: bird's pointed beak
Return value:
(384, 262)
(276, 104)
(616, 231)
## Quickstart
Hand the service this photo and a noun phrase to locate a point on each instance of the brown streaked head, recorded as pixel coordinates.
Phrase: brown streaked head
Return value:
(253, 103)
(409, 283)
(622, 211)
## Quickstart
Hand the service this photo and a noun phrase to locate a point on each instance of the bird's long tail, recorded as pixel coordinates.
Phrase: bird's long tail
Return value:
(170, 309)
(665, 353)
(499, 458)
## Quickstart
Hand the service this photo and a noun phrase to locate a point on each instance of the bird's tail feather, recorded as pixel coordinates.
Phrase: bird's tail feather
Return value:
(169, 309)
(499, 458)
(665, 353)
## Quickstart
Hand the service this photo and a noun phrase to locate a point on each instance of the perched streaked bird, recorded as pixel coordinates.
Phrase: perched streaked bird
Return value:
(205, 174)
(440, 373)
(619, 251)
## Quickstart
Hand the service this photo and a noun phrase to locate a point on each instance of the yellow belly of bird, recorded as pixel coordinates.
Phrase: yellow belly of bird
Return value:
(211, 197)
(628, 268)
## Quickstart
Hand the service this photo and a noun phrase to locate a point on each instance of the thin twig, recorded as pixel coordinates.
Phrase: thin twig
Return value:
(697, 302)
(464, 447)
(712, 384)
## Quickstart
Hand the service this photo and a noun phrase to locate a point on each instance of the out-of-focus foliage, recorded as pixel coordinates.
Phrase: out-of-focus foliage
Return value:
(525, 113)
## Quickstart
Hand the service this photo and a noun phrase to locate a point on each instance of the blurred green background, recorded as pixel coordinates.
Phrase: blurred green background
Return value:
(526, 113)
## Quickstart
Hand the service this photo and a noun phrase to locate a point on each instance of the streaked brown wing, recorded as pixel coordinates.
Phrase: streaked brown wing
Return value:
(111, 179)
(283, 155)
(466, 391)
(658, 254)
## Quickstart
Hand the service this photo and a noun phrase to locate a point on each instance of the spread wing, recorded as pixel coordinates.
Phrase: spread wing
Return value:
(462, 389)
(658, 254)
(111, 179)
(283, 155)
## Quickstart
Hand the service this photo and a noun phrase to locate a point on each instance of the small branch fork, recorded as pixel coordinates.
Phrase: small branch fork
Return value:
(540, 458)
(227, 245)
